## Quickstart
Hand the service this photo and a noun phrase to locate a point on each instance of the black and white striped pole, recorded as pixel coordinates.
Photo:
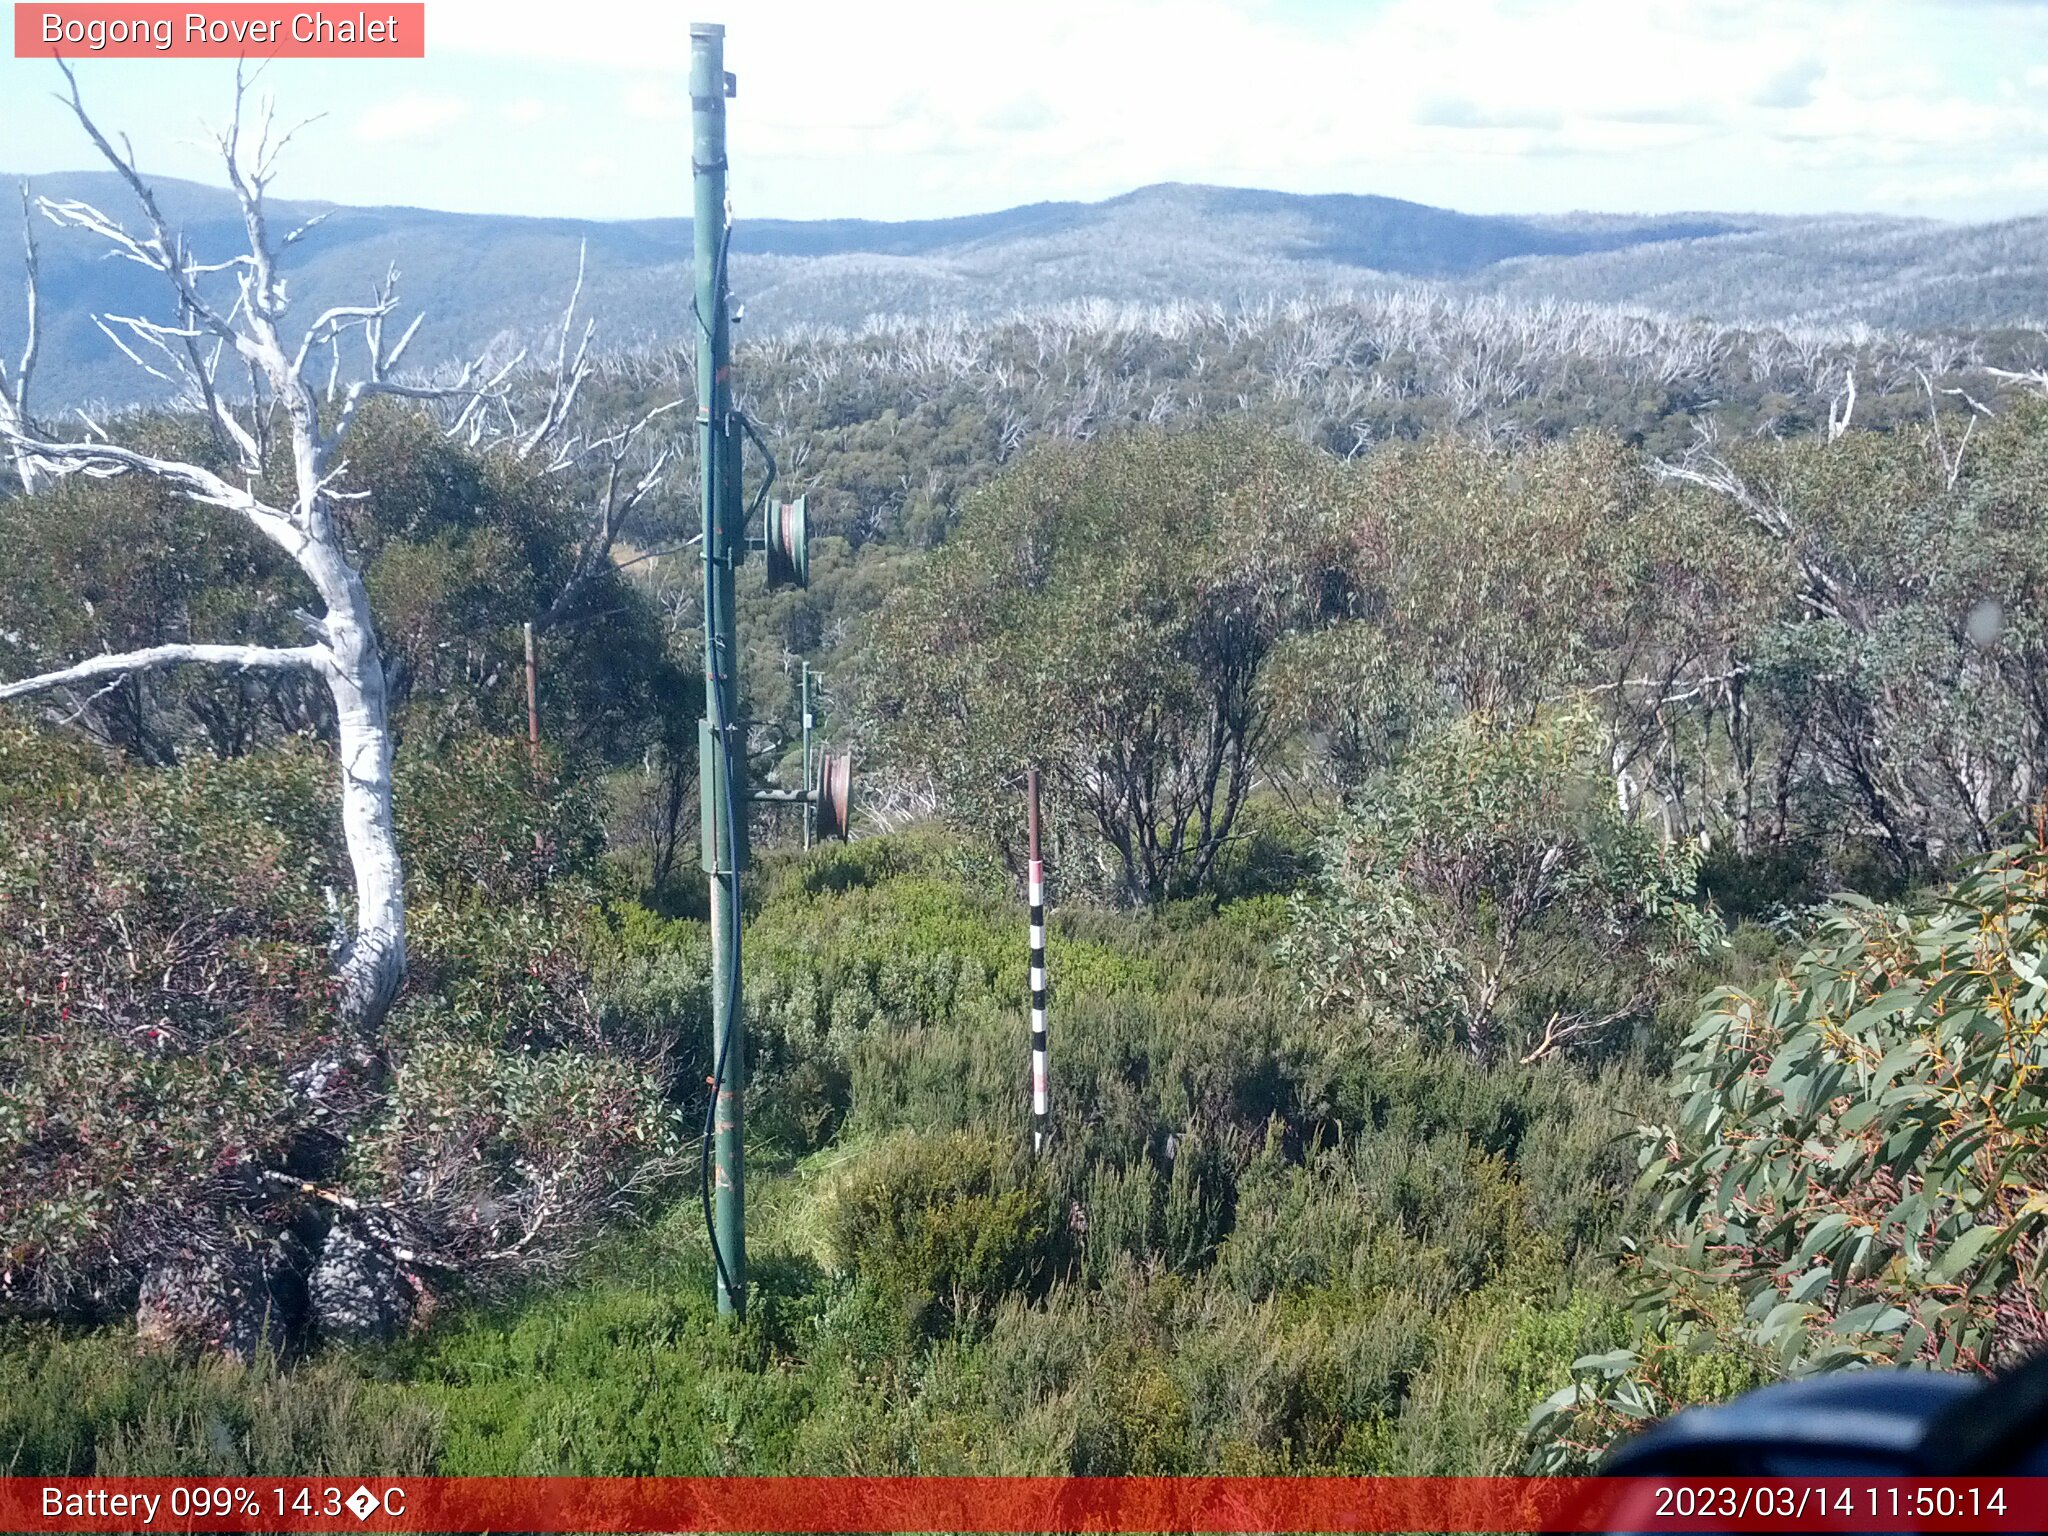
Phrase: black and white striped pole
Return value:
(1041, 1084)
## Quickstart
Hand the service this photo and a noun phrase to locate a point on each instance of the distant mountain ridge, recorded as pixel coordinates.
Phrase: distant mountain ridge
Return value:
(484, 277)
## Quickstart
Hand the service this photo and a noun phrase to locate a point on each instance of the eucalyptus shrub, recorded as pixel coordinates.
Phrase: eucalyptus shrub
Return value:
(1489, 893)
(1855, 1173)
(163, 977)
(172, 1077)
(1109, 611)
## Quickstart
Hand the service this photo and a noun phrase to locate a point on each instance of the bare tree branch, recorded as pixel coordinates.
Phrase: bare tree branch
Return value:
(615, 506)
(1843, 406)
(1557, 1032)
(1951, 458)
(569, 374)
(33, 342)
(102, 460)
(161, 250)
(2035, 379)
(1701, 467)
(156, 657)
(14, 407)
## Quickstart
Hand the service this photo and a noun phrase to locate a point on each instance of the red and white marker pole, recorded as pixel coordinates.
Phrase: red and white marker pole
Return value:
(1041, 1084)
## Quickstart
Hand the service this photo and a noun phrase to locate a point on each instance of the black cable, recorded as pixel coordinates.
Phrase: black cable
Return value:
(722, 725)
(728, 825)
(718, 278)
(732, 1004)
(732, 859)
(760, 442)
(746, 422)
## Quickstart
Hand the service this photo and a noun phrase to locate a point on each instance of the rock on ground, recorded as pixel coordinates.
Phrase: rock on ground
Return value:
(358, 1291)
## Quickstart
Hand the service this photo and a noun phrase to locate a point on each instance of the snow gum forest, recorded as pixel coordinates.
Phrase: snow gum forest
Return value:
(1543, 755)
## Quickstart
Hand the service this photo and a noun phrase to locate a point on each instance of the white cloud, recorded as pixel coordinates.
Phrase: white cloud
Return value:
(411, 116)
(1482, 104)
(1019, 114)
(1664, 114)
(1460, 112)
(2027, 179)
(655, 102)
(602, 32)
(1432, 93)
(1791, 86)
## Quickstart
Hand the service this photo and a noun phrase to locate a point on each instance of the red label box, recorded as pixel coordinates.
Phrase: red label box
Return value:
(1096, 1506)
(376, 30)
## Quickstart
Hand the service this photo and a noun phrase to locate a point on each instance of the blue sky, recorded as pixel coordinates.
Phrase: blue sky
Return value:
(907, 110)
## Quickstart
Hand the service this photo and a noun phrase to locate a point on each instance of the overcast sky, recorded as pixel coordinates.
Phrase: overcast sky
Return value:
(905, 110)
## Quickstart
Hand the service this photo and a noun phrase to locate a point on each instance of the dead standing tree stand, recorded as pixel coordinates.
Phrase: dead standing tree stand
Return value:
(630, 463)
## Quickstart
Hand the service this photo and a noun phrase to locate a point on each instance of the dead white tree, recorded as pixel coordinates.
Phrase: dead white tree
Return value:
(14, 414)
(1824, 592)
(1842, 408)
(2035, 379)
(298, 515)
(629, 464)
(1951, 457)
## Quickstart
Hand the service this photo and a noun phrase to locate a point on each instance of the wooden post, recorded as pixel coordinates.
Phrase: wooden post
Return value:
(532, 702)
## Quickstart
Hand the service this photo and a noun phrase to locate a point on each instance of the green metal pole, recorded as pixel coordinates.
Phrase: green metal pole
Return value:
(722, 754)
(810, 808)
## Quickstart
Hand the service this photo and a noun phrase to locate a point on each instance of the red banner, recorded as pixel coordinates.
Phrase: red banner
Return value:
(216, 31)
(1021, 1504)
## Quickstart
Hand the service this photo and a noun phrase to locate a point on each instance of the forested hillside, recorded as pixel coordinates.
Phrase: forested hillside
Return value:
(499, 281)
(1544, 822)
(1911, 274)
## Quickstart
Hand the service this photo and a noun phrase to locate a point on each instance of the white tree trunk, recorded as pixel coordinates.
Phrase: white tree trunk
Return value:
(14, 417)
(375, 962)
